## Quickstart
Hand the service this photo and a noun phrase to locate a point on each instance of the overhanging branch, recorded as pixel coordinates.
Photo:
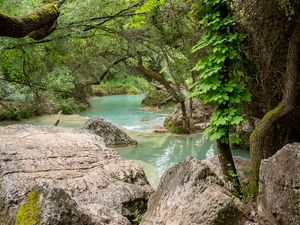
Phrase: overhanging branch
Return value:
(37, 24)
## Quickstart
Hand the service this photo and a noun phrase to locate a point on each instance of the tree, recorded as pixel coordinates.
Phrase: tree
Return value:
(37, 25)
(260, 137)
(71, 57)
(220, 80)
(272, 51)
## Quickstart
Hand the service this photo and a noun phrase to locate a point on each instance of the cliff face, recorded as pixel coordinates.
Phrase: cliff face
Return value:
(66, 176)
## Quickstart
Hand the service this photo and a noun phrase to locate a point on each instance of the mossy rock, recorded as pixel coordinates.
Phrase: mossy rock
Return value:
(157, 98)
(174, 128)
(29, 212)
(134, 210)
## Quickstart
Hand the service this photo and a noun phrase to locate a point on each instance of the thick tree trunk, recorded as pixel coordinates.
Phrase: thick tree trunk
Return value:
(37, 24)
(260, 147)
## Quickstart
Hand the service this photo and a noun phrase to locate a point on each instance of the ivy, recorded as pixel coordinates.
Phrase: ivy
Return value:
(220, 81)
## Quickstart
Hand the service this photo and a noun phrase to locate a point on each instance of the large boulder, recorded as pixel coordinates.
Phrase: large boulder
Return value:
(96, 185)
(199, 120)
(190, 193)
(111, 134)
(279, 187)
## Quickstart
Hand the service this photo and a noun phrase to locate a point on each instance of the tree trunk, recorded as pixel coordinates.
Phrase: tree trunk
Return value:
(37, 24)
(227, 165)
(260, 145)
(177, 95)
(185, 118)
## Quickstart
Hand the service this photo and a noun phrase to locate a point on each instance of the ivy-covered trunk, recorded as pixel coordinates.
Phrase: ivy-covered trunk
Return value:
(261, 144)
(220, 81)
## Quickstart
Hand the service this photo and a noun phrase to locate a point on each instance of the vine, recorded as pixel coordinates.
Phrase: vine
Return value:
(220, 81)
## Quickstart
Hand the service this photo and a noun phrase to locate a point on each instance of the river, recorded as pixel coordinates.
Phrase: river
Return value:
(155, 152)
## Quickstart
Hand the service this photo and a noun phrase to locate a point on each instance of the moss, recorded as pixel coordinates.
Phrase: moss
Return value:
(51, 9)
(174, 128)
(257, 143)
(157, 98)
(134, 210)
(29, 213)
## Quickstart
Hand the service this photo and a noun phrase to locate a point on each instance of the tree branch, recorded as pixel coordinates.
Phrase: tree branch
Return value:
(37, 24)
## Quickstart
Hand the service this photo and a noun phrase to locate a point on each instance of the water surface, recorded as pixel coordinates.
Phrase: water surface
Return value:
(155, 152)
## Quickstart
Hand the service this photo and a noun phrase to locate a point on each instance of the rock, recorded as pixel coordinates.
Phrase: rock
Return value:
(157, 98)
(242, 166)
(190, 193)
(159, 129)
(111, 134)
(279, 187)
(199, 121)
(46, 204)
(92, 179)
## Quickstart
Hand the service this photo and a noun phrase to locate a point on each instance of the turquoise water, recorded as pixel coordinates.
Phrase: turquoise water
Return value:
(125, 111)
(155, 152)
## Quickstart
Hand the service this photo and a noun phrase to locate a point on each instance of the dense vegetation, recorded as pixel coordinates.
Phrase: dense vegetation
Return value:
(220, 51)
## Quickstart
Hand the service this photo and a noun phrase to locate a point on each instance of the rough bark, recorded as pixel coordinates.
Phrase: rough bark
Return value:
(260, 145)
(228, 167)
(37, 24)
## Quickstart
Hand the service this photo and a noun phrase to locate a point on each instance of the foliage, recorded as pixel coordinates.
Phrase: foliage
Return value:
(125, 85)
(220, 82)
(139, 19)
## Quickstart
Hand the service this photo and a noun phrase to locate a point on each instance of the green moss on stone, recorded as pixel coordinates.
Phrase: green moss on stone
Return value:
(134, 210)
(29, 213)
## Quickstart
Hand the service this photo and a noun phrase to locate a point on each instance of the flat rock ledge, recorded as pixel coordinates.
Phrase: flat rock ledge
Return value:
(191, 194)
(53, 175)
(112, 135)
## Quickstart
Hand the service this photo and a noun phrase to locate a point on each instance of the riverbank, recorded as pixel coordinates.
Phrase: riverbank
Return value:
(155, 152)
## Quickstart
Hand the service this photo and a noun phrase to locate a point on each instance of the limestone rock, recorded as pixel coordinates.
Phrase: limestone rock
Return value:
(191, 194)
(242, 165)
(199, 121)
(279, 187)
(80, 167)
(111, 134)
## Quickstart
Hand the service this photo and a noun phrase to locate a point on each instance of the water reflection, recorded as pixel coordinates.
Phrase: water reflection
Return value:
(161, 151)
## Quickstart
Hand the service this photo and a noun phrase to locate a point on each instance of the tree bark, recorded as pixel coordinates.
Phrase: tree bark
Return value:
(228, 167)
(37, 24)
(260, 147)
(175, 93)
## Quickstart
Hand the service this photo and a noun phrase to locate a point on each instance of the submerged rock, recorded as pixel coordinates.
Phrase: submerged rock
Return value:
(190, 193)
(279, 187)
(111, 134)
(72, 176)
